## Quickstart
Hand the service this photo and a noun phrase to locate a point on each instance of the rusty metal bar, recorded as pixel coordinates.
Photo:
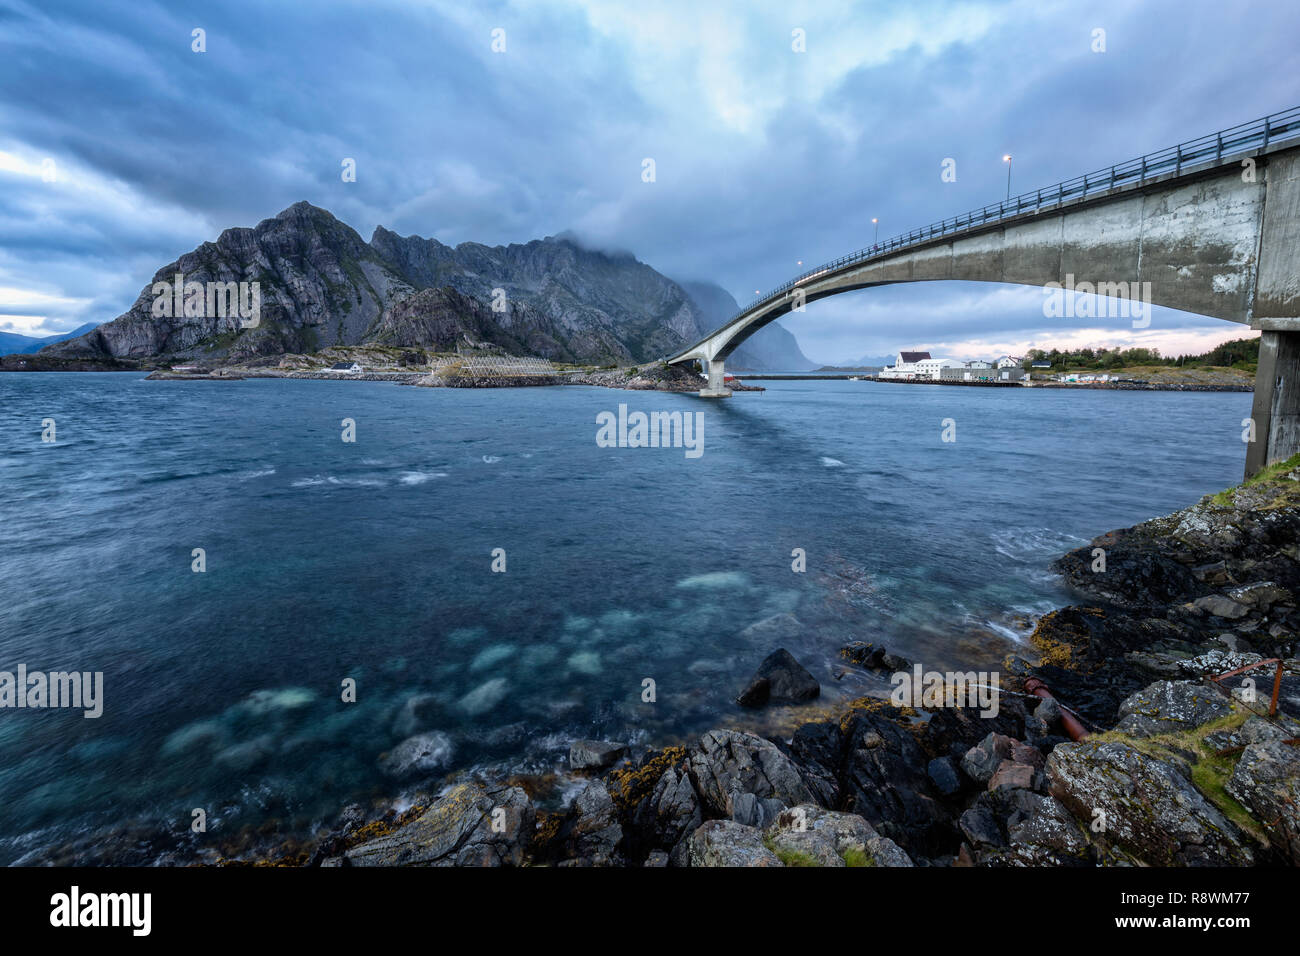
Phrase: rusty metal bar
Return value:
(1072, 725)
(1277, 680)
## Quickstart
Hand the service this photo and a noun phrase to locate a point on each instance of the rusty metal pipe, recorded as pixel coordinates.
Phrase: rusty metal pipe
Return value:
(1068, 720)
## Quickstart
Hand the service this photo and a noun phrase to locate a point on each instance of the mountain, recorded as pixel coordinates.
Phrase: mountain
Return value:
(870, 361)
(11, 343)
(321, 285)
(771, 348)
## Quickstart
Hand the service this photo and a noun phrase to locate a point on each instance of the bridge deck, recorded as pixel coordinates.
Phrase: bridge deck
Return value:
(1206, 152)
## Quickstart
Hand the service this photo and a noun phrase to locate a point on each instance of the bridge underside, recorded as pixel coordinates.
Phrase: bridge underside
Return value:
(1222, 241)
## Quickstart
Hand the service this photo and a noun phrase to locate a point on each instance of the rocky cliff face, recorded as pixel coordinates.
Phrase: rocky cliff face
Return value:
(322, 285)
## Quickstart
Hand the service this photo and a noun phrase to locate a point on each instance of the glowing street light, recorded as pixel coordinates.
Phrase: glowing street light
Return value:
(876, 222)
(1007, 159)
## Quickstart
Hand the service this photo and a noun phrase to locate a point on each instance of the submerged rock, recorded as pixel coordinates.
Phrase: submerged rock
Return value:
(420, 754)
(594, 754)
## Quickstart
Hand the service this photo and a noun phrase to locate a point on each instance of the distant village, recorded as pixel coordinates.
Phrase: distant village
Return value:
(920, 366)
(1007, 370)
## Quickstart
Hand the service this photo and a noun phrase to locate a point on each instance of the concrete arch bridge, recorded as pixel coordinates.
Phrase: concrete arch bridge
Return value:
(1210, 226)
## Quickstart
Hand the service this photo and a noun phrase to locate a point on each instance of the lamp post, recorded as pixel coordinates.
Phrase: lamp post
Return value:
(1007, 159)
(876, 222)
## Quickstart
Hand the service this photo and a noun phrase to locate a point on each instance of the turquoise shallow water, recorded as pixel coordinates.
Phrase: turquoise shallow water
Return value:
(372, 561)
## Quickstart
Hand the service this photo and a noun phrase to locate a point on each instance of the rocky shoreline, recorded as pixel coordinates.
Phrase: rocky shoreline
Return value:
(1173, 771)
(654, 377)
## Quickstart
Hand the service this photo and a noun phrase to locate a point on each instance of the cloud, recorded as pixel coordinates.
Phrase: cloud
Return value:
(763, 155)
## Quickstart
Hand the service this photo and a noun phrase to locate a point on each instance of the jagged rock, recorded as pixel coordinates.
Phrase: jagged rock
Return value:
(818, 749)
(780, 679)
(983, 760)
(671, 811)
(1170, 707)
(811, 834)
(1266, 781)
(1150, 808)
(727, 843)
(421, 754)
(1020, 828)
(594, 754)
(1136, 578)
(884, 781)
(745, 778)
(657, 858)
(1221, 606)
(593, 835)
(458, 830)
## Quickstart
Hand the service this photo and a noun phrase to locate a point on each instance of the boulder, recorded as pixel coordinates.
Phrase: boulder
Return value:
(1145, 807)
(459, 829)
(1170, 707)
(780, 679)
(744, 777)
(983, 760)
(1266, 781)
(1221, 606)
(727, 843)
(594, 754)
(811, 836)
(418, 755)
(594, 836)
(670, 813)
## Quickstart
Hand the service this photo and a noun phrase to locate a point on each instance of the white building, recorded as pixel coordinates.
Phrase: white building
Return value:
(351, 367)
(917, 365)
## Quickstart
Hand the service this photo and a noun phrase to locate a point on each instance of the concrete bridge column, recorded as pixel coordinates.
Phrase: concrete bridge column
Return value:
(717, 387)
(1276, 410)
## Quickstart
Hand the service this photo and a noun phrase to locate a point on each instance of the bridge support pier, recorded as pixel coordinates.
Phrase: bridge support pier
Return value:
(1276, 409)
(717, 387)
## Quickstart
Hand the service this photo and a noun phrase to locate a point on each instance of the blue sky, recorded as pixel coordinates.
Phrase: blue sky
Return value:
(764, 157)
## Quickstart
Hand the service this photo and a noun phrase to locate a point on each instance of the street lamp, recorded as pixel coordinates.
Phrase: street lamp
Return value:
(1007, 159)
(875, 222)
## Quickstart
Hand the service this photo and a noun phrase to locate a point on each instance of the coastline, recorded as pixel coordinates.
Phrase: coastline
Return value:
(1179, 601)
(1174, 772)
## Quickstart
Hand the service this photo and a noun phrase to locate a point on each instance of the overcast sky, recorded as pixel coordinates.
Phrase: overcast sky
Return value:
(764, 157)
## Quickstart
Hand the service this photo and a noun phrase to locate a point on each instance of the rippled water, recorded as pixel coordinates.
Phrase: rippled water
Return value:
(372, 561)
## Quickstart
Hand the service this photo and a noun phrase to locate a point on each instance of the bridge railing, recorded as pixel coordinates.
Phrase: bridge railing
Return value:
(1213, 147)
